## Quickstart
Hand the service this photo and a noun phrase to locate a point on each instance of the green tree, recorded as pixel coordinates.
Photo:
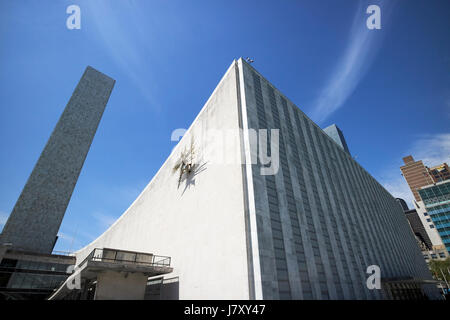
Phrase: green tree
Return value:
(439, 267)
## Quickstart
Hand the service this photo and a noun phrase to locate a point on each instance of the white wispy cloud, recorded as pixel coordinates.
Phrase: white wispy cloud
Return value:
(398, 187)
(68, 242)
(104, 221)
(126, 35)
(352, 65)
(432, 149)
(73, 238)
(3, 218)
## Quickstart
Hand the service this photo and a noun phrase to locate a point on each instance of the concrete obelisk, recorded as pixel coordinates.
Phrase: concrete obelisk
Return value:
(35, 219)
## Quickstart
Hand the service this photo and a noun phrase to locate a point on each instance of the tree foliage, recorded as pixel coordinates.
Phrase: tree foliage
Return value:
(438, 267)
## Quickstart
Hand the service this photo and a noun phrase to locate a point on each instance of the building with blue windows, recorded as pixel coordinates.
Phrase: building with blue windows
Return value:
(436, 198)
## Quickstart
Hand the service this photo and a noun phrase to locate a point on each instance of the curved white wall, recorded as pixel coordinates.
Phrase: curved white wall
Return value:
(199, 225)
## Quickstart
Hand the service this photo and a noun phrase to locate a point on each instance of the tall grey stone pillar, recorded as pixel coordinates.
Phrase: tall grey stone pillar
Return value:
(35, 220)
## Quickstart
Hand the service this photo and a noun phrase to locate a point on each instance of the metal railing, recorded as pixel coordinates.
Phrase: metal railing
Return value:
(122, 256)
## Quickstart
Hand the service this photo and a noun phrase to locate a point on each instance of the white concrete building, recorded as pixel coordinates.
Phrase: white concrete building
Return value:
(428, 224)
(236, 231)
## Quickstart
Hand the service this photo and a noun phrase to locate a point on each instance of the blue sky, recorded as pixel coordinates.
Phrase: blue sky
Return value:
(388, 89)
